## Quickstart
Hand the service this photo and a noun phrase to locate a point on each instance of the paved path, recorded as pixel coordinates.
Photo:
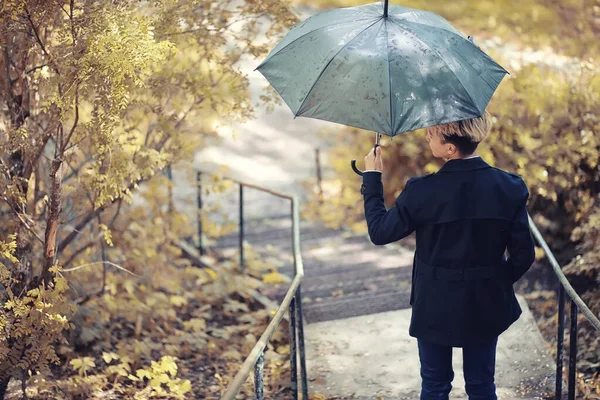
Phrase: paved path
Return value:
(370, 356)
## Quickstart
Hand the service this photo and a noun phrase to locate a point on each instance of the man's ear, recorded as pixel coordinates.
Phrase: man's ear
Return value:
(451, 149)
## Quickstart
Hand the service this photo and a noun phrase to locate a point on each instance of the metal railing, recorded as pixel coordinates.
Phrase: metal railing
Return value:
(577, 305)
(291, 303)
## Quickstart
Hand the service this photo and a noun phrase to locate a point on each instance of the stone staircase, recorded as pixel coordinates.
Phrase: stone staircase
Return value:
(345, 275)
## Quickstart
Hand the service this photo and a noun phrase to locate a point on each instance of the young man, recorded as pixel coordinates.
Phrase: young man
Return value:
(465, 216)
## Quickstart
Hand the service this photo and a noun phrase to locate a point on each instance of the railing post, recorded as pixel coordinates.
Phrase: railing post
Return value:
(293, 361)
(301, 344)
(199, 198)
(560, 342)
(242, 266)
(298, 304)
(319, 175)
(104, 260)
(295, 231)
(170, 188)
(573, 352)
(259, 374)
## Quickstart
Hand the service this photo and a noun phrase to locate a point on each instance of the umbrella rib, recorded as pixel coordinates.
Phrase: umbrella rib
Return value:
(305, 34)
(441, 58)
(352, 124)
(331, 93)
(387, 40)
(432, 26)
(366, 9)
(327, 65)
(479, 74)
(459, 36)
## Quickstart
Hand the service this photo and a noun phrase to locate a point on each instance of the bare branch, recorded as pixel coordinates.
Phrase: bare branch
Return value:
(89, 297)
(40, 151)
(75, 171)
(88, 245)
(75, 144)
(64, 9)
(23, 221)
(149, 132)
(64, 144)
(30, 70)
(168, 35)
(90, 216)
(100, 262)
(117, 213)
(75, 122)
(38, 39)
(78, 252)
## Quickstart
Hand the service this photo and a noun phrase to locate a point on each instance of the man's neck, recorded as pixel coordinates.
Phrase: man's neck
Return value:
(460, 157)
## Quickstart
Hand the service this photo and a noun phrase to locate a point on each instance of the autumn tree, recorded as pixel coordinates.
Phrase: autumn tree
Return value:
(98, 96)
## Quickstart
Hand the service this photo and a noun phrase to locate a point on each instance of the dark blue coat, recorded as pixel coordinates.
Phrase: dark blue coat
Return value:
(465, 216)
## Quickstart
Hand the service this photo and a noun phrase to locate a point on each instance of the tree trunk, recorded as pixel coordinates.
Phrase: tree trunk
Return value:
(53, 216)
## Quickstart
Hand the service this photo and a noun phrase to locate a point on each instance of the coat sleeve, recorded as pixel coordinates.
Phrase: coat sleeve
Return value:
(385, 226)
(521, 248)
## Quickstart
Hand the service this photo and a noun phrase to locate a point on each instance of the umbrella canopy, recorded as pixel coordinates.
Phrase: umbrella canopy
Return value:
(388, 71)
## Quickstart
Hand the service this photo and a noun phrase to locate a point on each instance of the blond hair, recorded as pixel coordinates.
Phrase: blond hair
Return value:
(474, 129)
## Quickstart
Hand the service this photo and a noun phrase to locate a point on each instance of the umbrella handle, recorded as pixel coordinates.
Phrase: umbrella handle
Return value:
(353, 162)
(358, 171)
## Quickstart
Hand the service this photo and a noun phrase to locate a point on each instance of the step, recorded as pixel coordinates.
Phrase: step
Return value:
(276, 237)
(318, 268)
(355, 304)
(344, 268)
(355, 281)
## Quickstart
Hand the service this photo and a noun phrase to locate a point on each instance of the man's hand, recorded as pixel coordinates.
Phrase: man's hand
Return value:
(374, 161)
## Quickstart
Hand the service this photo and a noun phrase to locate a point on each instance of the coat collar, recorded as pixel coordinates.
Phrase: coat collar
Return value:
(464, 165)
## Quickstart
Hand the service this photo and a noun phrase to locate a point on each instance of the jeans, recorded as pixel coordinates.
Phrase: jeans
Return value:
(479, 363)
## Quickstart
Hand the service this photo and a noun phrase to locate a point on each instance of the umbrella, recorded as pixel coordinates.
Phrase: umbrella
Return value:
(388, 69)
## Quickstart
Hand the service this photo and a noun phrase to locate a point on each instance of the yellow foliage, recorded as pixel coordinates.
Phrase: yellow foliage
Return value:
(83, 365)
(178, 301)
(211, 273)
(106, 234)
(7, 249)
(195, 324)
(273, 278)
(109, 357)
(35, 322)
(161, 373)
